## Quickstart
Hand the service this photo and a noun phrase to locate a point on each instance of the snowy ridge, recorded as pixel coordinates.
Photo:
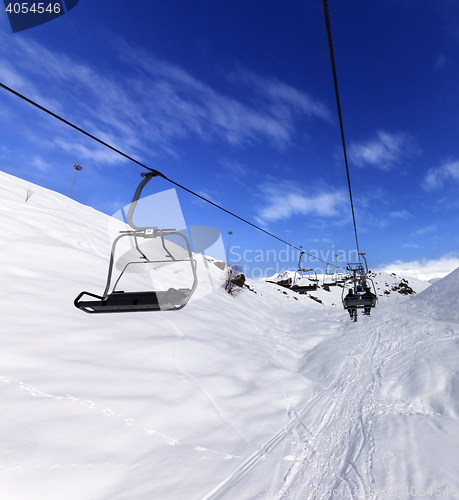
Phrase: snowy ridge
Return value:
(440, 300)
(227, 398)
(388, 286)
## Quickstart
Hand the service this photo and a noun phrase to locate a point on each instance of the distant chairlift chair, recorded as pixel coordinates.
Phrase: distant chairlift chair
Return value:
(120, 301)
(301, 283)
(329, 278)
(340, 278)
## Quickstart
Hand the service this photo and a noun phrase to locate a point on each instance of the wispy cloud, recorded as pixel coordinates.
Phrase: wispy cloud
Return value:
(283, 100)
(447, 203)
(208, 196)
(441, 61)
(284, 200)
(425, 230)
(71, 88)
(424, 269)
(198, 108)
(384, 151)
(235, 170)
(400, 214)
(97, 154)
(39, 163)
(410, 245)
(149, 105)
(5, 152)
(436, 177)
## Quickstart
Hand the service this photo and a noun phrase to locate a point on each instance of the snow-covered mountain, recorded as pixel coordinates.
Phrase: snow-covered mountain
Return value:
(441, 299)
(388, 286)
(265, 394)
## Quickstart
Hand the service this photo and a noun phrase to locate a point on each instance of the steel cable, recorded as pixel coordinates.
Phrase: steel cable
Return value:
(159, 174)
(338, 104)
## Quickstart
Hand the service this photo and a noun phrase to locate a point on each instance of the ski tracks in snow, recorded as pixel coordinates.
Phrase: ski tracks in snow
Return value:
(88, 404)
(339, 456)
(340, 450)
(332, 435)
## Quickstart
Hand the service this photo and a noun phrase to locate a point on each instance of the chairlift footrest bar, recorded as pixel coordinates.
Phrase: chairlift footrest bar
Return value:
(303, 289)
(359, 303)
(118, 302)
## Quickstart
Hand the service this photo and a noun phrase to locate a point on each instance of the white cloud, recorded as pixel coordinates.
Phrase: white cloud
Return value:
(234, 170)
(424, 269)
(283, 200)
(97, 154)
(400, 214)
(425, 230)
(208, 196)
(436, 177)
(410, 245)
(39, 163)
(384, 151)
(283, 99)
(150, 104)
(5, 152)
(196, 107)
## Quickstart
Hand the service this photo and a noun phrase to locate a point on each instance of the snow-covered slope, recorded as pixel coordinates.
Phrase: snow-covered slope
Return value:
(265, 394)
(441, 300)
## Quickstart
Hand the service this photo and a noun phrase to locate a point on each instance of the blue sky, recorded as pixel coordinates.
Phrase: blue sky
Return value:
(235, 100)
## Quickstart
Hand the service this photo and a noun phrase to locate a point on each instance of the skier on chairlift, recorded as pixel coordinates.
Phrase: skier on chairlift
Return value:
(349, 296)
(367, 295)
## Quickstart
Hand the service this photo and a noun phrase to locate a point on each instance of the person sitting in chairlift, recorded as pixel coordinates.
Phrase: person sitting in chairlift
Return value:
(368, 295)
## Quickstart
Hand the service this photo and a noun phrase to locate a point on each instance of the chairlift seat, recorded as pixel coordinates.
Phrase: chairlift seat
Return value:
(119, 301)
(304, 288)
(359, 301)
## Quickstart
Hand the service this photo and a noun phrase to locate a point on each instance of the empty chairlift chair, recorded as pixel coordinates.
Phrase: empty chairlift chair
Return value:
(115, 301)
(340, 278)
(329, 277)
(304, 283)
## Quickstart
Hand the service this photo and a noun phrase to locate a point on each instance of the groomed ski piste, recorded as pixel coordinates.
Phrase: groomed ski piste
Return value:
(269, 394)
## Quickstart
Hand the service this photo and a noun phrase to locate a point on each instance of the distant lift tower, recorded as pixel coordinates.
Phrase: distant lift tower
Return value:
(77, 168)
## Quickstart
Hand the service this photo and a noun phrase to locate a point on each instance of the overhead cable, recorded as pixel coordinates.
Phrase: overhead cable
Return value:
(159, 174)
(335, 81)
